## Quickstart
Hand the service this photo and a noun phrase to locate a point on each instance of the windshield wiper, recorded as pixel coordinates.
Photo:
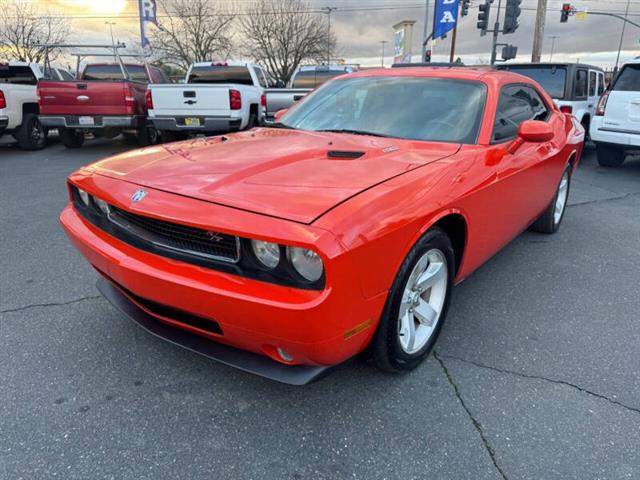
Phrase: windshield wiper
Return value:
(355, 132)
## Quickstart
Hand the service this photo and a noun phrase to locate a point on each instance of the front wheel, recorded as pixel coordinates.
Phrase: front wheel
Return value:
(417, 304)
(550, 220)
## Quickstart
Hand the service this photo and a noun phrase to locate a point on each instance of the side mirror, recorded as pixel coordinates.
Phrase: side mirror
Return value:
(279, 114)
(532, 131)
(535, 131)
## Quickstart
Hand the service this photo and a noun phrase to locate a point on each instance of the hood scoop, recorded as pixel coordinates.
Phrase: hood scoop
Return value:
(344, 154)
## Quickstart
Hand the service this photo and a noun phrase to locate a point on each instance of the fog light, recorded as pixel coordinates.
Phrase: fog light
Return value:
(284, 355)
(102, 205)
(84, 196)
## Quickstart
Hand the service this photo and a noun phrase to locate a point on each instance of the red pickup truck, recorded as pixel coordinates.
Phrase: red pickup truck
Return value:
(105, 101)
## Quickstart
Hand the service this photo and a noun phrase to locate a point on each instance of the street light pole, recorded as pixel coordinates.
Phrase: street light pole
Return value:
(383, 42)
(496, 32)
(626, 14)
(328, 11)
(553, 44)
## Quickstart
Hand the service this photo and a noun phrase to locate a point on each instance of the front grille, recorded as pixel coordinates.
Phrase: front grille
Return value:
(195, 241)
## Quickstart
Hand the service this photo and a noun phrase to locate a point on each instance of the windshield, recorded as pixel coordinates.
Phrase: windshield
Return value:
(220, 74)
(552, 79)
(414, 108)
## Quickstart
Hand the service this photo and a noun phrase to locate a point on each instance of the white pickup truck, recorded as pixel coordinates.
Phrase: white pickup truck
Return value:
(215, 98)
(19, 102)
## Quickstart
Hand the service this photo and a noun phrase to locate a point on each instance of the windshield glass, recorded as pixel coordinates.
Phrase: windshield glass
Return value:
(114, 73)
(17, 75)
(415, 108)
(552, 79)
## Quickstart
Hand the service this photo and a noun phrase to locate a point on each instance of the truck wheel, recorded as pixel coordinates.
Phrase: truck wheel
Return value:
(167, 136)
(71, 138)
(147, 136)
(609, 156)
(31, 135)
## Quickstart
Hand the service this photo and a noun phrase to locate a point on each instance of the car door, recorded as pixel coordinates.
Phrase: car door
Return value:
(592, 95)
(622, 112)
(581, 93)
(527, 177)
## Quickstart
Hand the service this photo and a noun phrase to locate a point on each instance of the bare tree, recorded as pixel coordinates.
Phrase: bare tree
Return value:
(23, 26)
(191, 31)
(282, 34)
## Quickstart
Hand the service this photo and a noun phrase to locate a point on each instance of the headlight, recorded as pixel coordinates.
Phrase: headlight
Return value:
(102, 205)
(306, 262)
(267, 253)
(84, 196)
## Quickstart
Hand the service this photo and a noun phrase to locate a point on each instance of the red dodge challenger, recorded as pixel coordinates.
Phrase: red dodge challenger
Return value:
(288, 249)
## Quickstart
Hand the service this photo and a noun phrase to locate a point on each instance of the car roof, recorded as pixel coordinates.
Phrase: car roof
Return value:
(632, 61)
(548, 64)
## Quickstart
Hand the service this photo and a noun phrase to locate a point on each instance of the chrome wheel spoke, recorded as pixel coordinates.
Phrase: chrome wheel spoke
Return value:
(431, 276)
(425, 314)
(408, 331)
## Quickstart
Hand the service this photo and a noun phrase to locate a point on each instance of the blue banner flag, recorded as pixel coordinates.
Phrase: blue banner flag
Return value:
(445, 17)
(148, 13)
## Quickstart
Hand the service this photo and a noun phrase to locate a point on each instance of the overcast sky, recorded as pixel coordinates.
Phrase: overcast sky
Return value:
(594, 40)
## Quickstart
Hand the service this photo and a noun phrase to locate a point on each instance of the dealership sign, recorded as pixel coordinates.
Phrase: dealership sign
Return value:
(148, 13)
(445, 18)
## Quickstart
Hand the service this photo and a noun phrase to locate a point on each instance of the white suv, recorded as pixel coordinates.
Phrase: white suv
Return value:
(615, 128)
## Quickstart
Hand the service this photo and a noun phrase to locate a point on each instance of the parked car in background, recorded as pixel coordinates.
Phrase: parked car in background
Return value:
(107, 99)
(215, 97)
(575, 87)
(19, 102)
(304, 80)
(615, 128)
(344, 226)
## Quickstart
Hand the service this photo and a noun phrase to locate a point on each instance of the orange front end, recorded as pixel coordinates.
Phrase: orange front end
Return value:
(295, 326)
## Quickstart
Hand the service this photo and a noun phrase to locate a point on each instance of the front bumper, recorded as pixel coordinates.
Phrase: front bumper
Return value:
(621, 137)
(207, 124)
(316, 328)
(100, 121)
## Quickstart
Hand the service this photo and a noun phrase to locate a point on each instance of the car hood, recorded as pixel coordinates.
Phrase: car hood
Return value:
(290, 174)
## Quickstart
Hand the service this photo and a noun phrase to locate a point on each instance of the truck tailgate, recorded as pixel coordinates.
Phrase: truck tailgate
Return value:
(190, 99)
(82, 98)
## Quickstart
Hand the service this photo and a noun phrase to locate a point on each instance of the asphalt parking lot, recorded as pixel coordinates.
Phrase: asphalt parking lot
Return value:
(536, 374)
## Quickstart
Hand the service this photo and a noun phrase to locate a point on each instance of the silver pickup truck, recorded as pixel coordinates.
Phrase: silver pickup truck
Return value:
(304, 80)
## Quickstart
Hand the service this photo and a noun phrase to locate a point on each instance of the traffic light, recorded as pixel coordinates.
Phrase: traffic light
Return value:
(565, 12)
(509, 52)
(427, 56)
(511, 15)
(483, 17)
(464, 8)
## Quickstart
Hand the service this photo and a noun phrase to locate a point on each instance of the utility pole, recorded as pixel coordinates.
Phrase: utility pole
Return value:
(452, 52)
(538, 35)
(553, 45)
(382, 42)
(328, 11)
(496, 32)
(626, 14)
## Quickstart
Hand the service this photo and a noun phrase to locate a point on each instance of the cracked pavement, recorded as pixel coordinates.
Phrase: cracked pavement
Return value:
(536, 374)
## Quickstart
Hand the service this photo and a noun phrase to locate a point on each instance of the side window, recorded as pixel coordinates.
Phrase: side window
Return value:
(592, 83)
(600, 83)
(65, 75)
(517, 104)
(160, 76)
(580, 87)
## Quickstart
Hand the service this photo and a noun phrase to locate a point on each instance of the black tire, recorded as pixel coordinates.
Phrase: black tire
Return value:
(586, 123)
(71, 138)
(253, 120)
(31, 135)
(547, 222)
(609, 156)
(147, 136)
(388, 353)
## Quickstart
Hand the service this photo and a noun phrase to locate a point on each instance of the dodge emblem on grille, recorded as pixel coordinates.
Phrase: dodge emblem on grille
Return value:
(214, 236)
(138, 195)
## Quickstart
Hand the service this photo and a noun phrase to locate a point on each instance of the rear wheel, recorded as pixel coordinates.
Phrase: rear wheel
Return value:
(71, 138)
(147, 136)
(550, 220)
(31, 135)
(417, 304)
(609, 156)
